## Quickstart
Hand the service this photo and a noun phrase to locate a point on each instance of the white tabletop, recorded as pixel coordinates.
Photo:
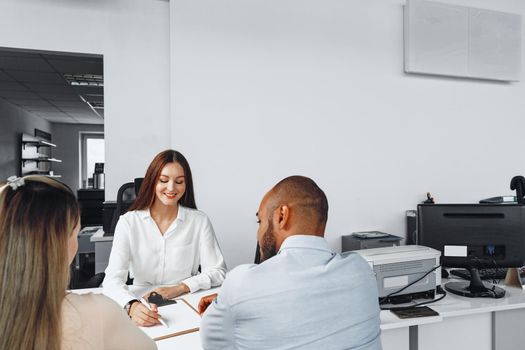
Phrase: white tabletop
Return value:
(451, 306)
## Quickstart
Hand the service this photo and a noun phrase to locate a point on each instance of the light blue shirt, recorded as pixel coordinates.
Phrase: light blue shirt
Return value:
(306, 297)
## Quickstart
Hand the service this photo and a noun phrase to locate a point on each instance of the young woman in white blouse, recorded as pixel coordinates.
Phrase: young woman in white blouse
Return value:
(163, 240)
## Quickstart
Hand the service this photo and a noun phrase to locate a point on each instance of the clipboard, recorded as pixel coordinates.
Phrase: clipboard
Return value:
(181, 318)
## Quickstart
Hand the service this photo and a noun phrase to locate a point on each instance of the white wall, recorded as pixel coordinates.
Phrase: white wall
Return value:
(133, 37)
(263, 89)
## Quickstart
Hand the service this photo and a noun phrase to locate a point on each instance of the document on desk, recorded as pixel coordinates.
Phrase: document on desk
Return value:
(181, 318)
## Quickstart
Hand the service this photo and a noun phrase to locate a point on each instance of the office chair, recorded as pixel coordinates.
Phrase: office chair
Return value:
(257, 259)
(95, 281)
(125, 197)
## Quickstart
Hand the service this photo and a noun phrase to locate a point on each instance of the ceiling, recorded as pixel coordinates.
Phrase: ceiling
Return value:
(36, 82)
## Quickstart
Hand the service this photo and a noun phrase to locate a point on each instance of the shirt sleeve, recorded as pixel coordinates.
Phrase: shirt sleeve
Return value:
(119, 260)
(213, 267)
(119, 330)
(216, 329)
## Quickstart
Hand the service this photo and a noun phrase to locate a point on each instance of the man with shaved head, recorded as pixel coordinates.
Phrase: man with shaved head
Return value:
(302, 295)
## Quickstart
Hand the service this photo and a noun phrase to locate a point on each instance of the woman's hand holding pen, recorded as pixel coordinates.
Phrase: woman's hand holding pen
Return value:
(142, 316)
(171, 292)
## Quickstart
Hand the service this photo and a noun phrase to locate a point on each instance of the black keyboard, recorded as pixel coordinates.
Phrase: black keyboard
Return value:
(485, 274)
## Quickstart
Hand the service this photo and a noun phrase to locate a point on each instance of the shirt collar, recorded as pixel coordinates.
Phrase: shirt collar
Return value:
(305, 241)
(181, 215)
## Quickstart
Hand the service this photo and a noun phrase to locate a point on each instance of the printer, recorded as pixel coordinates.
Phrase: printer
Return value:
(398, 266)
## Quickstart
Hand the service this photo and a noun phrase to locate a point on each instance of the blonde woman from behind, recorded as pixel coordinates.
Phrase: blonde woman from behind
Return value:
(39, 224)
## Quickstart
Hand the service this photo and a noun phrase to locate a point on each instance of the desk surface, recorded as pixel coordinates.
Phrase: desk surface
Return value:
(451, 306)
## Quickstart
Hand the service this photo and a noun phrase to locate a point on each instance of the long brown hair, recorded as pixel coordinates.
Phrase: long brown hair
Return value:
(36, 221)
(146, 195)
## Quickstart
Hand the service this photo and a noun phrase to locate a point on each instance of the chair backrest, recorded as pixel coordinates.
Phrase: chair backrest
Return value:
(257, 259)
(125, 197)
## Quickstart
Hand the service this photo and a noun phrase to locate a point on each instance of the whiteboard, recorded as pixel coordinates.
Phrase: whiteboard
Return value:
(444, 39)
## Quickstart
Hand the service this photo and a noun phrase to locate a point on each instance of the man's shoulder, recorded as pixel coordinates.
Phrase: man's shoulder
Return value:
(353, 263)
(242, 280)
(241, 272)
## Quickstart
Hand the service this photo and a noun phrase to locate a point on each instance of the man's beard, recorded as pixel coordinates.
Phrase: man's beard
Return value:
(268, 244)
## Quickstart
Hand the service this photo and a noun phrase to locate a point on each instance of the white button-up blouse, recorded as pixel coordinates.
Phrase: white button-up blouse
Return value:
(155, 259)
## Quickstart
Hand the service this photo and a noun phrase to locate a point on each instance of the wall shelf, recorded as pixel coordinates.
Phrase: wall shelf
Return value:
(36, 158)
(36, 143)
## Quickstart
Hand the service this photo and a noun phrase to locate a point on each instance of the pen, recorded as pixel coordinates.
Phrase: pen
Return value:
(145, 303)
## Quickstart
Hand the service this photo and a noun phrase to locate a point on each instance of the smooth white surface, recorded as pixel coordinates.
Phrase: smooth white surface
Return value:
(395, 339)
(179, 317)
(269, 88)
(399, 254)
(133, 37)
(462, 41)
(463, 332)
(436, 38)
(190, 341)
(455, 305)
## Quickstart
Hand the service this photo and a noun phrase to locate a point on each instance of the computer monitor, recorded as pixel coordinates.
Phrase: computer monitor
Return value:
(474, 236)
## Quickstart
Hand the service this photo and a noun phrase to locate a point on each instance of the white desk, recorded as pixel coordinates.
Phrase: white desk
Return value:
(463, 323)
(103, 246)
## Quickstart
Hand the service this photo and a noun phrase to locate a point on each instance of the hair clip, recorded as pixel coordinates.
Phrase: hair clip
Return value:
(15, 182)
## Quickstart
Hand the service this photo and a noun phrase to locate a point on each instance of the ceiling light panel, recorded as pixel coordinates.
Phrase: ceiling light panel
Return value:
(85, 79)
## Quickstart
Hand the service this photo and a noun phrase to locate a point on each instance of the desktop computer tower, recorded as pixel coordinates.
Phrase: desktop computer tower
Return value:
(411, 221)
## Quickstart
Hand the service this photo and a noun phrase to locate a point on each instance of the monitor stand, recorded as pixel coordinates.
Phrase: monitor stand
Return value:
(475, 288)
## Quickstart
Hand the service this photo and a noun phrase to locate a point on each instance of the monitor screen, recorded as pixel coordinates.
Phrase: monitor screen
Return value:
(474, 236)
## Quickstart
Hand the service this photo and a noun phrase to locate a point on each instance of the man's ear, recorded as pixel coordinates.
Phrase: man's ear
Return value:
(284, 216)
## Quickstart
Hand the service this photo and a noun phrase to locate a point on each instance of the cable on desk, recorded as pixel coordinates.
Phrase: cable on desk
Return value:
(439, 290)
(382, 301)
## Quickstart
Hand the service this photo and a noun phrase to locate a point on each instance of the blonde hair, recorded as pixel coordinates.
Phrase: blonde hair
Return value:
(36, 221)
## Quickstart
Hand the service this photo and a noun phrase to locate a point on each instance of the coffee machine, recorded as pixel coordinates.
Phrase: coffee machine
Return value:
(98, 176)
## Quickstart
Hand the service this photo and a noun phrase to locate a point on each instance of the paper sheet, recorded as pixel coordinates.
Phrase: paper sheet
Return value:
(180, 317)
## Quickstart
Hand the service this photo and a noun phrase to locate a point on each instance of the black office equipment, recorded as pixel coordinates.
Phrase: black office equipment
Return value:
(108, 212)
(157, 299)
(411, 225)
(125, 197)
(486, 274)
(90, 203)
(257, 259)
(474, 236)
(411, 312)
(367, 240)
(518, 183)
